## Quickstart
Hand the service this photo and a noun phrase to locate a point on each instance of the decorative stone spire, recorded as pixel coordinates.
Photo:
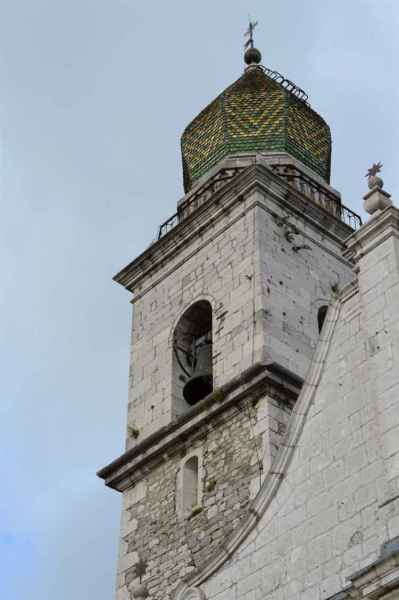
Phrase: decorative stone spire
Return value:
(377, 199)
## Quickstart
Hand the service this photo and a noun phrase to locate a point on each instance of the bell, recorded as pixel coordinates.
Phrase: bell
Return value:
(200, 383)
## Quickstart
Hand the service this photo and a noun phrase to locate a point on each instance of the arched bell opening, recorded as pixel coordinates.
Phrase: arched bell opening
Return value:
(321, 316)
(192, 356)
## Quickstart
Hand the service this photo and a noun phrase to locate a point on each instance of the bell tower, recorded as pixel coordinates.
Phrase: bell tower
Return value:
(228, 307)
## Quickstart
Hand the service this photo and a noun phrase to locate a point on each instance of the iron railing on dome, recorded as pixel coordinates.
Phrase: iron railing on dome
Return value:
(318, 194)
(198, 198)
(304, 184)
(290, 86)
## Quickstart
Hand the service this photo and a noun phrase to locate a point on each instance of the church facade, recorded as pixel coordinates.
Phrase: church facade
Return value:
(262, 440)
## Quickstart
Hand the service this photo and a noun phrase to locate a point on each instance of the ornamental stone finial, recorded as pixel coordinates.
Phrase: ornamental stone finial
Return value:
(376, 199)
(373, 179)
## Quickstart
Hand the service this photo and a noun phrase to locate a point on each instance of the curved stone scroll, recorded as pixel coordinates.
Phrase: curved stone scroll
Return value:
(190, 593)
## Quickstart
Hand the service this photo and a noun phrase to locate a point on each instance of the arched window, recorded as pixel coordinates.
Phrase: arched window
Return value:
(321, 315)
(190, 485)
(192, 357)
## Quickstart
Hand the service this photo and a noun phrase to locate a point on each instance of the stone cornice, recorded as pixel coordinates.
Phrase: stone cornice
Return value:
(378, 580)
(256, 381)
(372, 234)
(193, 225)
(253, 178)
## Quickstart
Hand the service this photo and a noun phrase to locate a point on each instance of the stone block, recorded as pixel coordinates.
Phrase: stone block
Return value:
(127, 561)
(135, 494)
(123, 594)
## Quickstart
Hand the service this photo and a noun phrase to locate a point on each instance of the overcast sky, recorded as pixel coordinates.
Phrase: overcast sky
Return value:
(94, 95)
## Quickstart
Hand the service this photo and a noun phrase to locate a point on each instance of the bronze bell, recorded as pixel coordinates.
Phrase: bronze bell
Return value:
(200, 383)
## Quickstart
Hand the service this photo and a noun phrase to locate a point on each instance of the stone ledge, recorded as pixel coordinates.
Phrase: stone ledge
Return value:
(372, 234)
(376, 580)
(254, 178)
(259, 379)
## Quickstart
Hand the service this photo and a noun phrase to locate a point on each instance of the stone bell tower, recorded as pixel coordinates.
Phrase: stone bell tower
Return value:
(228, 307)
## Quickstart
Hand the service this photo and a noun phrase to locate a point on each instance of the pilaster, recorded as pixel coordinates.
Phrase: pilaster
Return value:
(375, 251)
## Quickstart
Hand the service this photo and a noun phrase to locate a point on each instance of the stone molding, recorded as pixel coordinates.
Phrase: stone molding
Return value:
(254, 178)
(283, 459)
(191, 593)
(216, 307)
(372, 234)
(198, 453)
(245, 159)
(380, 579)
(256, 381)
(283, 204)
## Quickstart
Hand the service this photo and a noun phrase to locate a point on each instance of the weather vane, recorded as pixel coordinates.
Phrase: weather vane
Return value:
(250, 33)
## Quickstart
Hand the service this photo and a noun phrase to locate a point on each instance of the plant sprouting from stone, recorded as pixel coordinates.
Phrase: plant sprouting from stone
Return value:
(334, 287)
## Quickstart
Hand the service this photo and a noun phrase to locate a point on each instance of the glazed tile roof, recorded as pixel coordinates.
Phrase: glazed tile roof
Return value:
(256, 113)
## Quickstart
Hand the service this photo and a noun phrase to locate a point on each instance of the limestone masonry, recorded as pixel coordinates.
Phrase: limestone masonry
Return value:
(262, 438)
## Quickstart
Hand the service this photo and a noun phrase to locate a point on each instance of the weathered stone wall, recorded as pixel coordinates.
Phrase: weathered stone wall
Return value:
(172, 545)
(265, 293)
(379, 293)
(338, 501)
(300, 269)
(217, 267)
(266, 271)
(321, 526)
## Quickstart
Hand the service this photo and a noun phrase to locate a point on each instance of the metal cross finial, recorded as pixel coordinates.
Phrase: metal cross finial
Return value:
(250, 34)
(376, 168)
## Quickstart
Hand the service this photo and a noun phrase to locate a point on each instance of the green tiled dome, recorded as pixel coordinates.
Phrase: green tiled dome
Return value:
(256, 113)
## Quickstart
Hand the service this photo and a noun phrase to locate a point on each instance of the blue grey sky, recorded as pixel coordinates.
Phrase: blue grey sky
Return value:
(94, 95)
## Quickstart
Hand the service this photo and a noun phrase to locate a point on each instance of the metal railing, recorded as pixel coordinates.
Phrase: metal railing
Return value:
(290, 86)
(317, 193)
(198, 198)
(310, 188)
